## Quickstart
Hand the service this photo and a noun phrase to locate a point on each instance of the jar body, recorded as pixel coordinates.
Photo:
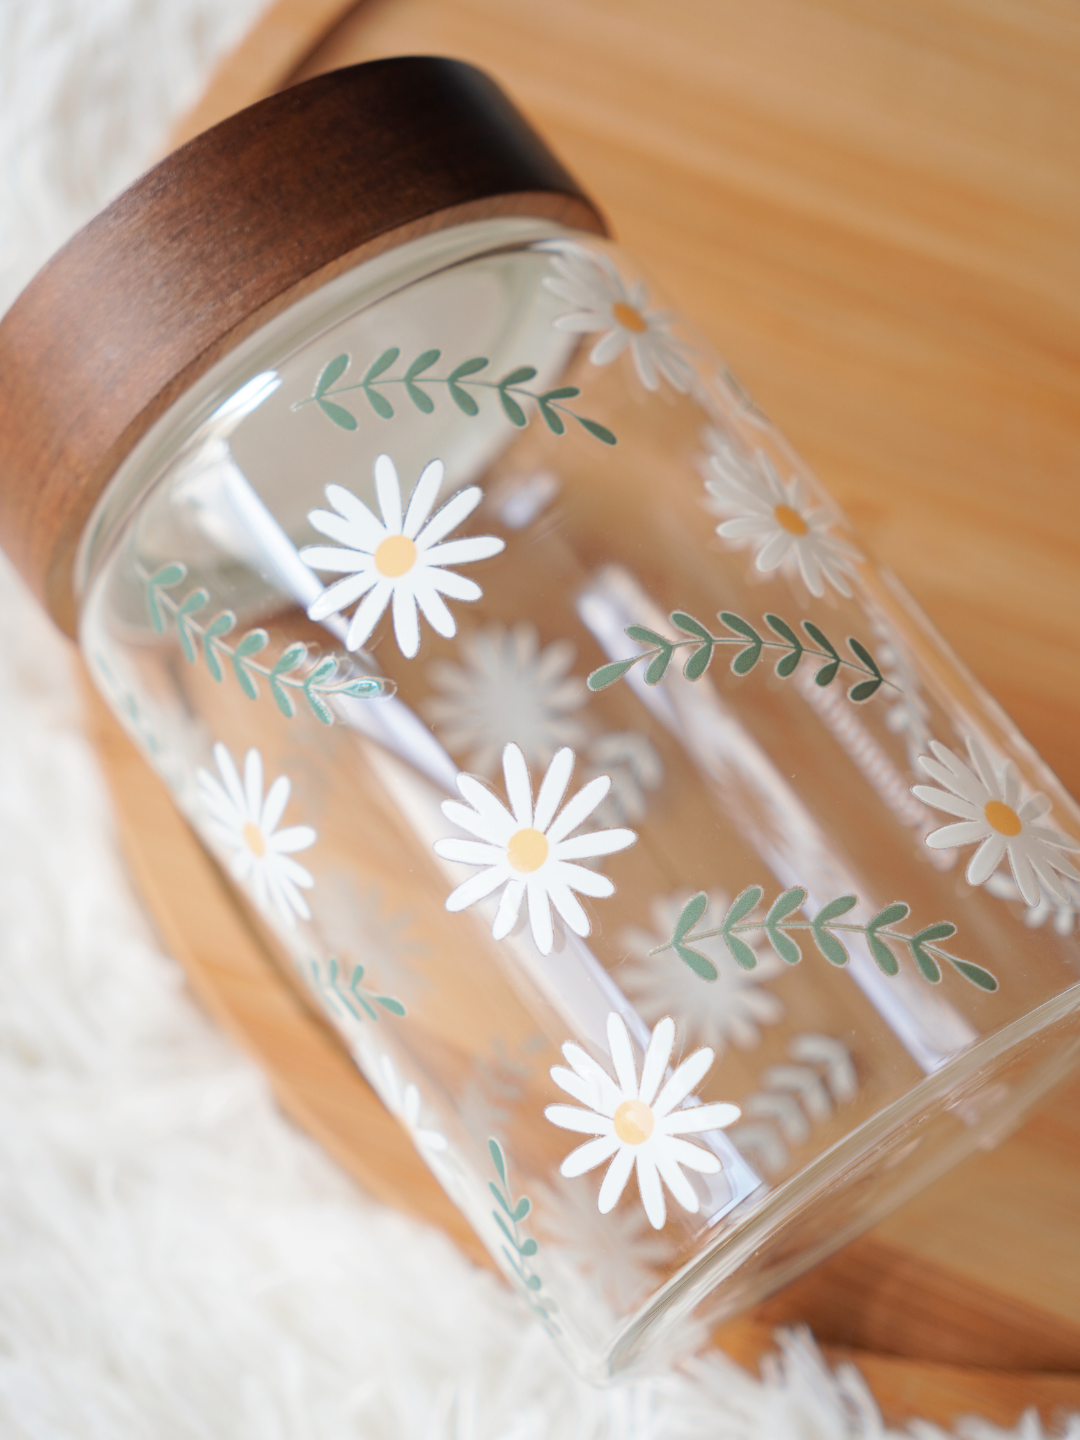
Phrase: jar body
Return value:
(568, 748)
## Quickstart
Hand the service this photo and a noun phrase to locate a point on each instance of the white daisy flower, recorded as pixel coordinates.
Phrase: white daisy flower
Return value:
(728, 1009)
(403, 1102)
(531, 850)
(990, 813)
(779, 520)
(400, 559)
(244, 825)
(507, 688)
(633, 1124)
(604, 305)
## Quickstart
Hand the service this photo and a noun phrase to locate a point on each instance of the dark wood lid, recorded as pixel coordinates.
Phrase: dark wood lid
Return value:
(223, 234)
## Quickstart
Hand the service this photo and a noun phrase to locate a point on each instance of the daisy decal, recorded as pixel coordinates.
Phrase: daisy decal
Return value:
(779, 520)
(991, 815)
(633, 1125)
(244, 825)
(506, 688)
(604, 305)
(399, 559)
(530, 850)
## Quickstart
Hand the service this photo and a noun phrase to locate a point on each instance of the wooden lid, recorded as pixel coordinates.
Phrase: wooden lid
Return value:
(223, 234)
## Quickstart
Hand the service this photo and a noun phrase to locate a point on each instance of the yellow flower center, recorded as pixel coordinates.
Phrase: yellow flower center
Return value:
(527, 850)
(1003, 818)
(634, 1122)
(395, 556)
(790, 520)
(253, 839)
(629, 318)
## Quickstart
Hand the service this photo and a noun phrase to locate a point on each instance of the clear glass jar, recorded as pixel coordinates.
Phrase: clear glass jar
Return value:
(659, 865)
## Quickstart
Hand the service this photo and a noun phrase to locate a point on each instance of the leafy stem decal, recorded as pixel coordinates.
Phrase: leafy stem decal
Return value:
(460, 382)
(519, 1249)
(355, 998)
(751, 648)
(295, 672)
(779, 921)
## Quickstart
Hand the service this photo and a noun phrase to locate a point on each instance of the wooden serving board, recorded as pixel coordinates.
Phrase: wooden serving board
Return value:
(873, 211)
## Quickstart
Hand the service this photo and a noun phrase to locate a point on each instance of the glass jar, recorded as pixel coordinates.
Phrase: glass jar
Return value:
(658, 864)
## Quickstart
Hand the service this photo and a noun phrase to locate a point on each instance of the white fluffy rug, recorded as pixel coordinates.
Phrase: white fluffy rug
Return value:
(176, 1262)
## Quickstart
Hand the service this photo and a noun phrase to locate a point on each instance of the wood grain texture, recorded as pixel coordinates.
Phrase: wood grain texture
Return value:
(873, 211)
(216, 239)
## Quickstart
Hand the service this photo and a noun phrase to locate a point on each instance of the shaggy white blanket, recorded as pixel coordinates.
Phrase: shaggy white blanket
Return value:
(176, 1262)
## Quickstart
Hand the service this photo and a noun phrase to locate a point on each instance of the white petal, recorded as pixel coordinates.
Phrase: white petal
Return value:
(466, 551)
(277, 797)
(641, 350)
(578, 809)
(585, 882)
(365, 530)
(595, 1075)
(1024, 875)
(333, 558)
(540, 917)
(622, 1055)
(478, 825)
(435, 611)
(965, 832)
(368, 614)
(489, 806)
(509, 909)
(675, 1180)
(689, 1074)
(553, 788)
(231, 779)
(469, 852)
(586, 1157)
(291, 839)
(287, 869)
(406, 620)
(342, 593)
(596, 842)
(458, 587)
(584, 1091)
(652, 1196)
(458, 508)
(986, 860)
(661, 1043)
(518, 785)
(388, 492)
(984, 767)
(614, 1182)
(585, 1122)
(423, 498)
(563, 899)
(694, 1157)
(775, 551)
(476, 888)
(698, 1118)
(966, 785)
(610, 346)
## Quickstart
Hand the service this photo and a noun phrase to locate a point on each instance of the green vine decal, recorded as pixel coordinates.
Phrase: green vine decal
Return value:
(508, 1218)
(778, 924)
(752, 647)
(355, 998)
(511, 390)
(288, 676)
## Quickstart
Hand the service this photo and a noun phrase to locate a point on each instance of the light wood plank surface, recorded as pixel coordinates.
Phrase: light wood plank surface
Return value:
(873, 211)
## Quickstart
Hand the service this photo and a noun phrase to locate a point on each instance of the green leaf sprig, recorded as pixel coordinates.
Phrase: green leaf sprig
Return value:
(355, 998)
(780, 921)
(511, 390)
(519, 1249)
(751, 646)
(296, 672)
